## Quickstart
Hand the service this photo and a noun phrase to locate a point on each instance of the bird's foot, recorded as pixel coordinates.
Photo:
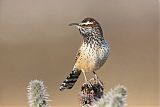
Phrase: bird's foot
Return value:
(88, 83)
(96, 79)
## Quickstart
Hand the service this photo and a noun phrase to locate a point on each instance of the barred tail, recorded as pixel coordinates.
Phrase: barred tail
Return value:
(69, 82)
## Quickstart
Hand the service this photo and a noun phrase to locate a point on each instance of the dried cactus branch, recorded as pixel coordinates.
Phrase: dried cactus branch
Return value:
(92, 95)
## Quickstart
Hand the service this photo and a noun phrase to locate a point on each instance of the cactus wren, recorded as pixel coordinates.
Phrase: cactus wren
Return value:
(92, 53)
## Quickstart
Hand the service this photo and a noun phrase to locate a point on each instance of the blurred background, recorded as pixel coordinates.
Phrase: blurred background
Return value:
(37, 43)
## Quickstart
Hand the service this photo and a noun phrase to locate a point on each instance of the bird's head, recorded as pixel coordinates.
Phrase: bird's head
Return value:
(88, 27)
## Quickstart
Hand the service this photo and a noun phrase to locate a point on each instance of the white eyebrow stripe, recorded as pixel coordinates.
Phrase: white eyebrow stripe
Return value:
(86, 23)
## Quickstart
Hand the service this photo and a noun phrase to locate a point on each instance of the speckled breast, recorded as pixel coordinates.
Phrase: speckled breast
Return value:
(92, 57)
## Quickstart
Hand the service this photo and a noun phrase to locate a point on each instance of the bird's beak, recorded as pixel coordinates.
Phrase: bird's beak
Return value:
(74, 24)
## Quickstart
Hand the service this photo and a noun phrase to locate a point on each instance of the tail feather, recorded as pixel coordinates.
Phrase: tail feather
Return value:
(69, 82)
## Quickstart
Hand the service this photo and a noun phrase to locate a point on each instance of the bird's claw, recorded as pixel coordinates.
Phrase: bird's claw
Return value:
(88, 84)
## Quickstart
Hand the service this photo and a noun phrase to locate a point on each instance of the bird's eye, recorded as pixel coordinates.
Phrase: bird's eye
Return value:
(83, 25)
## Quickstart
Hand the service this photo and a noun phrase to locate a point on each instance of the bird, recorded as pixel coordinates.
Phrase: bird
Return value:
(92, 54)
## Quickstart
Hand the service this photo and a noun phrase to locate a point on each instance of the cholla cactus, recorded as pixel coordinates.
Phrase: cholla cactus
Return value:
(91, 92)
(114, 98)
(37, 94)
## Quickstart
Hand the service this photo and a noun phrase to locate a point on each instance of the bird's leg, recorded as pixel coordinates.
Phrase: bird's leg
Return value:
(84, 76)
(86, 81)
(96, 77)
